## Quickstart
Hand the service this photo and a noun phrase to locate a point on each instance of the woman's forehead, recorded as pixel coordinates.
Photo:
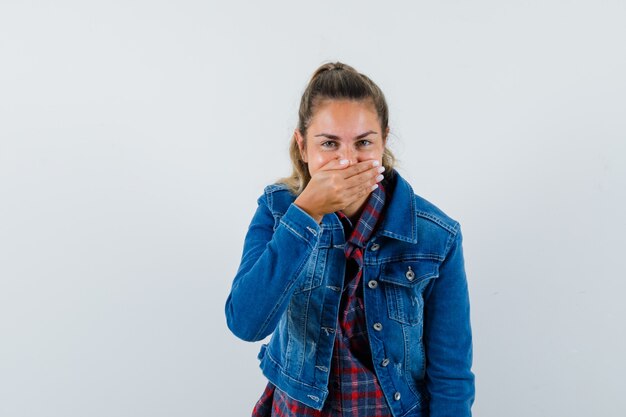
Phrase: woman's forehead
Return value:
(345, 117)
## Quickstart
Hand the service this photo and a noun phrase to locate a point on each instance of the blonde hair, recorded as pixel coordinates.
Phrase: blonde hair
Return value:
(334, 81)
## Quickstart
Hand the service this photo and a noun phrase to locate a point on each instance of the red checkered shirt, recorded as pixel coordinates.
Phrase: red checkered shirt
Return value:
(354, 390)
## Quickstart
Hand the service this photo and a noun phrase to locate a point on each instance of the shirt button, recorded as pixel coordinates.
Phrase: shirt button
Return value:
(378, 327)
(385, 362)
(372, 284)
(396, 396)
(375, 247)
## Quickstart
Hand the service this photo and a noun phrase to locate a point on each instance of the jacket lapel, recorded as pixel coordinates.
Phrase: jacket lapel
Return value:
(399, 217)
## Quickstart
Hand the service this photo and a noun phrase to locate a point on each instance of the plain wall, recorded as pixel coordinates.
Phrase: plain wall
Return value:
(136, 136)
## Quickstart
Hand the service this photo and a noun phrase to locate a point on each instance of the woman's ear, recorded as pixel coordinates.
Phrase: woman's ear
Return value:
(301, 145)
(385, 136)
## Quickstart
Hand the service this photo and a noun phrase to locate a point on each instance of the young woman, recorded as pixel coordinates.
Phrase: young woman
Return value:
(360, 281)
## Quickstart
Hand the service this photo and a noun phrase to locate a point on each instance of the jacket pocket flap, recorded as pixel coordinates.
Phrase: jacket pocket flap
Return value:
(409, 273)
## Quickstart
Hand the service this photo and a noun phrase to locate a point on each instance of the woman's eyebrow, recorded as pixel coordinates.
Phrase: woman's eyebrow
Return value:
(361, 136)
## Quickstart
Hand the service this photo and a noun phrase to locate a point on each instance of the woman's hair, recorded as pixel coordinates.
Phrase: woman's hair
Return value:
(334, 81)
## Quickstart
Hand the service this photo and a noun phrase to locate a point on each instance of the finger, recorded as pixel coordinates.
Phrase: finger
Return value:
(361, 189)
(370, 176)
(361, 167)
(335, 164)
(358, 192)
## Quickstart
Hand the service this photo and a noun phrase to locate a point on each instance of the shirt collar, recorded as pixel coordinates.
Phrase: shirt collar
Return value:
(368, 219)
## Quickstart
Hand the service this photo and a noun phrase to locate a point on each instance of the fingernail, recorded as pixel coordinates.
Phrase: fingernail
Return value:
(375, 186)
(376, 163)
(343, 161)
(379, 178)
(381, 169)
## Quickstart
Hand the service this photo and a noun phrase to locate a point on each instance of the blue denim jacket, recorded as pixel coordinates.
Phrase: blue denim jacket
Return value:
(415, 293)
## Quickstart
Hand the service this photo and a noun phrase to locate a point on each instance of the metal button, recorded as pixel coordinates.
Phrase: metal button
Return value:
(378, 327)
(410, 275)
(375, 247)
(372, 284)
(396, 396)
(385, 362)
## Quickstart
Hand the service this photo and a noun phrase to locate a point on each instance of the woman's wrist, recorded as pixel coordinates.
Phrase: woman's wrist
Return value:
(305, 206)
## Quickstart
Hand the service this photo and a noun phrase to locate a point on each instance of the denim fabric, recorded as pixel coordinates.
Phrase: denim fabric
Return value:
(415, 292)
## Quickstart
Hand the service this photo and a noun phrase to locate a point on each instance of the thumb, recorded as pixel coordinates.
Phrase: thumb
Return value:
(335, 164)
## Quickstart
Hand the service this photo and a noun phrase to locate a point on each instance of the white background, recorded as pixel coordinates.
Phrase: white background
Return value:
(136, 136)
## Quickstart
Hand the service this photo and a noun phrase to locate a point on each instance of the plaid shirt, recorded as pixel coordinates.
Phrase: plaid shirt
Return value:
(354, 390)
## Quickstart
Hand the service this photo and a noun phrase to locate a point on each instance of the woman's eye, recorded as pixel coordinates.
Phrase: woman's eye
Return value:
(365, 142)
(328, 144)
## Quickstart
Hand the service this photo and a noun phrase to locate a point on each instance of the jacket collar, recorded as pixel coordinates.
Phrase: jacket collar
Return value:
(399, 220)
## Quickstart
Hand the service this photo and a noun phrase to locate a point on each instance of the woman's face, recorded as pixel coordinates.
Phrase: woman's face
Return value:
(342, 129)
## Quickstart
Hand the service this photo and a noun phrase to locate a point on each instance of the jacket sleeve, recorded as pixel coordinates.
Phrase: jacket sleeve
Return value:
(448, 338)
(271, 263)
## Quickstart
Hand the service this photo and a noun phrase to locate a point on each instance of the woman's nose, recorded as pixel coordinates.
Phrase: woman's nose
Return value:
(349, 154)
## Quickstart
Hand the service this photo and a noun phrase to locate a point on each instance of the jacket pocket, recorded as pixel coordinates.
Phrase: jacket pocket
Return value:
(404, 283)
(313, 271)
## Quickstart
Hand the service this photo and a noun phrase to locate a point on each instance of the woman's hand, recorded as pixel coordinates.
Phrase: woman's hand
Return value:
(336, 186)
